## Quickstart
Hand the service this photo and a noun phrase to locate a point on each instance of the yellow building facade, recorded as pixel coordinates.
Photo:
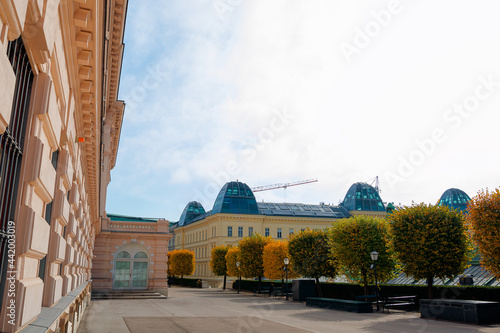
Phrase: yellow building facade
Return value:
(236, 214)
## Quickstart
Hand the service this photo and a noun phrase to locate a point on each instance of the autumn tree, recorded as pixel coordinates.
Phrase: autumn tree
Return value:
(310, 254)
(232, 257)
(351, 242)
(181, 262)
(218, 262)
(274, 260)
(251, 253)
(483, 222)
(430, 241)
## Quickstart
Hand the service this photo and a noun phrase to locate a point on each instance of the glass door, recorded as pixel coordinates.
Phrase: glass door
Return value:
(140, 274)
(122, 274)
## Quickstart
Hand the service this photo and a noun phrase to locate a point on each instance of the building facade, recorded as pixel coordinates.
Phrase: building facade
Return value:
(236, 214)
(60, 124)
(130, 253)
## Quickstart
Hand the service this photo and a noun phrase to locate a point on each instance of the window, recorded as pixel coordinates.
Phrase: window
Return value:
(290, 232)
(266, 232)
(229, 231)
(48, 212)
(250, 231)
(41, 268)
(279, 233)
(55, 157)
(240, 231)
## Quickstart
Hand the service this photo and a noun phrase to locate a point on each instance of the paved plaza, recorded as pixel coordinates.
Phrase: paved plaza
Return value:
(214, 310)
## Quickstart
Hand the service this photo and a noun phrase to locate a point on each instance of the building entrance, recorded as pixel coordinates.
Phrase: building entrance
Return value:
(131, 268)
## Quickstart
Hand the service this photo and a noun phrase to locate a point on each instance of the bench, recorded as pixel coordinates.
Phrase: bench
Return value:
(408, 302)
(340, 304)
(277, 292)
(363, 297)
(262, 290)
(459, 310)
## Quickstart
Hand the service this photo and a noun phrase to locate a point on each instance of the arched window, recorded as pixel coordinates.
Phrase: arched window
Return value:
(140, 255)
(123, 255)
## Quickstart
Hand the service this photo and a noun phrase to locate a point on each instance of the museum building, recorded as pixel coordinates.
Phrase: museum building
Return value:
(237, 214)
(60, 123)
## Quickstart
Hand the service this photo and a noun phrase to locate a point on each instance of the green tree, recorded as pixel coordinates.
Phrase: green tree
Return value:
(251, 253)
(181, 262)
(430, 241)
(218, 262)
(483, 221)
(310, 254)
(232, 257)
(351, 242)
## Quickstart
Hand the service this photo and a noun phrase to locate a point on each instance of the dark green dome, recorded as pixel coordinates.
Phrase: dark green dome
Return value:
(190, 212)
(362, 196)
(235, 198)
(454, 198)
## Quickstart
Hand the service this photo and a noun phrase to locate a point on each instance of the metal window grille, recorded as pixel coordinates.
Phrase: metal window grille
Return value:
(11, 147)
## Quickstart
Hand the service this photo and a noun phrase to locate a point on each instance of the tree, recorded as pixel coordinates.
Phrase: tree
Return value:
(310, 254)
(218, 262)
(251, 252)
(483, 222)
(273, 259)
(232, 257)
(351, 242)
(429, 241)
(181, 262)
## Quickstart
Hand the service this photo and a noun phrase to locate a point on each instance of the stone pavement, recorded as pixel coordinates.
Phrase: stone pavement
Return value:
(214, 310)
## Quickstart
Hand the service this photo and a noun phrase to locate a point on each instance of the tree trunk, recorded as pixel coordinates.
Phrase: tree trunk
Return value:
(224, 285)
(182, 277)
(365, 285)
(260, 281)
(319, 291)
(430, 280)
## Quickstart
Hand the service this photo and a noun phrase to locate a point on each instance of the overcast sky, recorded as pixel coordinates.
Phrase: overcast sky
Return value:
(277, 91)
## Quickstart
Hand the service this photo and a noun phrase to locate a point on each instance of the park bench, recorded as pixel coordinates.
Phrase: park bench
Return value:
(262, 290)
(406, 302)
(467, 311)
(278, 292)
(340, 304)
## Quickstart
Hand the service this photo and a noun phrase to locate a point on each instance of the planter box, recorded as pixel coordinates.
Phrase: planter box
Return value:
(467, 311)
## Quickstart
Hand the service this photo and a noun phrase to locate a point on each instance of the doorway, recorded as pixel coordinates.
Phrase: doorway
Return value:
(131, 268)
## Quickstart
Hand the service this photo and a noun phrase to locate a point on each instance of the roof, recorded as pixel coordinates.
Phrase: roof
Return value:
(454, 198)
(480, 277)
(302, 210)
(124, 218)
(362, 196)
(235, 198)
(192, 210)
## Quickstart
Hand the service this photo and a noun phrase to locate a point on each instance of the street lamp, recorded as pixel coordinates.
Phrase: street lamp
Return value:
(286, 261)
(374, 256)
(239, 274)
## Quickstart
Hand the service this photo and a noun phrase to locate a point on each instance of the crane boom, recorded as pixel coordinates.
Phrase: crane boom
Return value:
(282, 185)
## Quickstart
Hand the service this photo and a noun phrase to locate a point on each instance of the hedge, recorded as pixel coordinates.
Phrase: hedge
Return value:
(186, 282)
(350, 291)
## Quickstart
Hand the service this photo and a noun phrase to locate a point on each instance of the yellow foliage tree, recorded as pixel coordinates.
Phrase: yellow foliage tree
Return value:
(274, 266)
(181, 262)
(232, 257)
(218, 262)
(251, 251)
(483, 221)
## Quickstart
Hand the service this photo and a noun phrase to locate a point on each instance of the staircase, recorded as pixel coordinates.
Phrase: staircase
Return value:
(126, 294)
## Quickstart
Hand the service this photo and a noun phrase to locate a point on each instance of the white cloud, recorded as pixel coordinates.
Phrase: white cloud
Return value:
(220, 83)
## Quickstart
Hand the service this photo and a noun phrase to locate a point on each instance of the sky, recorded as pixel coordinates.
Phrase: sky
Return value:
(278, 91)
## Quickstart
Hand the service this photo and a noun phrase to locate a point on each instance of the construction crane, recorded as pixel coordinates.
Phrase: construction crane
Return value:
(282, 185)
(375, 181)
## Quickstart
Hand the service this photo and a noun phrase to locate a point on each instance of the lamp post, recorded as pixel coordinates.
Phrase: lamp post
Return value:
(286, 261)
(374, 256)
(239, 276)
